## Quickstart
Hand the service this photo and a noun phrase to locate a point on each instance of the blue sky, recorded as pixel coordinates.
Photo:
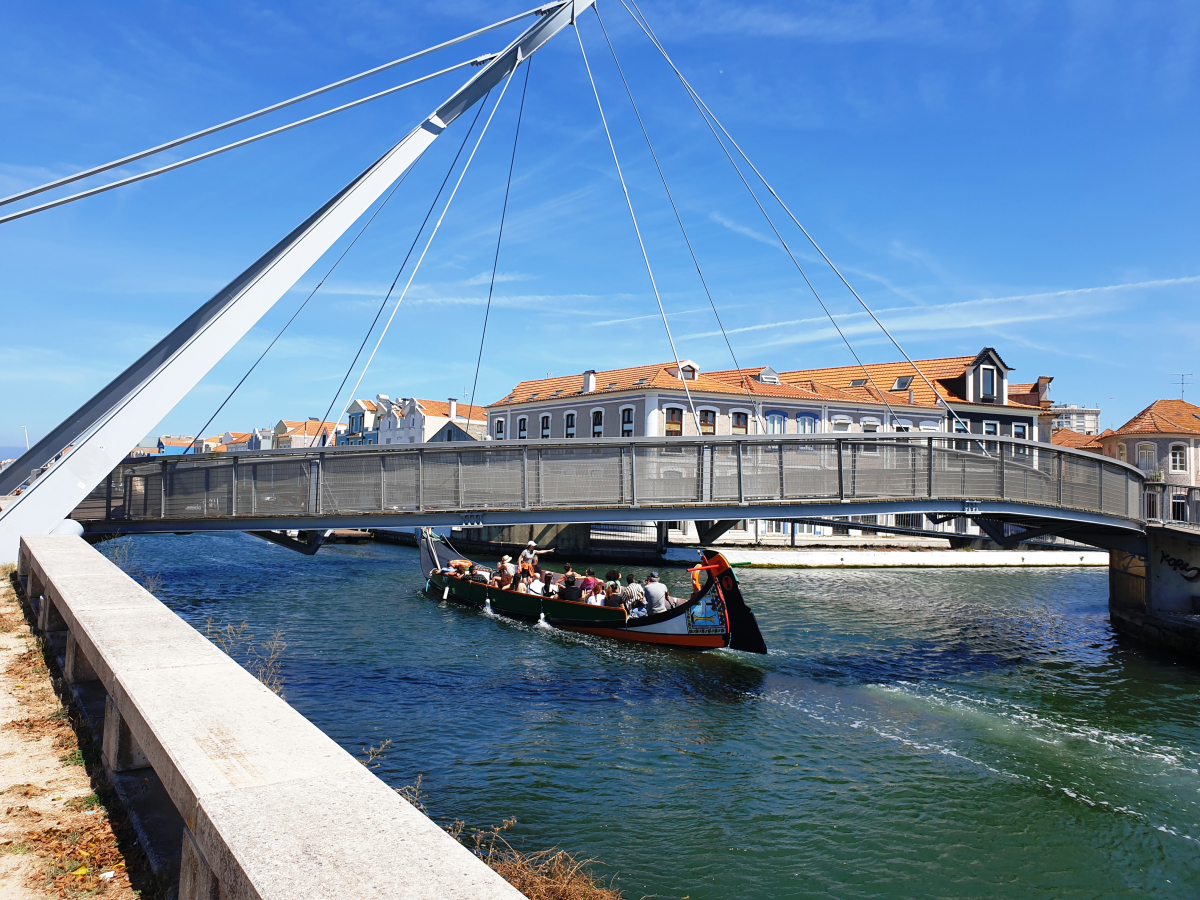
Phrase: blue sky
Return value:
(1015, 174)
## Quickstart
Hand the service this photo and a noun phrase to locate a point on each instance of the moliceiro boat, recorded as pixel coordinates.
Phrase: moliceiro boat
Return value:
(715, 615)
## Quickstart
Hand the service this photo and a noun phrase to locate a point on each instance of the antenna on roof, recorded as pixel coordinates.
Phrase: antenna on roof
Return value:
(1183, 382)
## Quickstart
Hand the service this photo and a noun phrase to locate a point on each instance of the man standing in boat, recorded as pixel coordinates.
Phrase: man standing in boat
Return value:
(529, 556)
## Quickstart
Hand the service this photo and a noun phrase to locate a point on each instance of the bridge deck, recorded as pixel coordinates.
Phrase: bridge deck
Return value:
(498, 482)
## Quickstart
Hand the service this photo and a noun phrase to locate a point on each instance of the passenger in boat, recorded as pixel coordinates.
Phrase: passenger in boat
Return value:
(569, 589)
(658, 598)
(502, 580)
(597, 595)
(523, 585)
(473, 574)
(536, 585)
(631, 596)
(506, 565)
(589, 582)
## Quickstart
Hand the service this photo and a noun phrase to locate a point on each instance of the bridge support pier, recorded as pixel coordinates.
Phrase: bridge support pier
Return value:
(1156, 598)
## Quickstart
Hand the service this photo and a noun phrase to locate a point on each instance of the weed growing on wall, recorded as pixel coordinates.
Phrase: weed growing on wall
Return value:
(263, 660)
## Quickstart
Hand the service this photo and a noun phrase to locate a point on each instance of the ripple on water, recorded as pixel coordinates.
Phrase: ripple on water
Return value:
(948, 733)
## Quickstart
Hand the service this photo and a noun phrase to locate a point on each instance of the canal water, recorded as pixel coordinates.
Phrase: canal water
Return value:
(937, 733)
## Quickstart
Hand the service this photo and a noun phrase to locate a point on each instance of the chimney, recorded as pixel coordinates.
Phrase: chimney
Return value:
(453, 408)
(910, 397)
(589, 381)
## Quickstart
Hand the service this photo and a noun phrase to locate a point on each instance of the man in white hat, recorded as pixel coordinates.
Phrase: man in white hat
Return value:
(529, 556)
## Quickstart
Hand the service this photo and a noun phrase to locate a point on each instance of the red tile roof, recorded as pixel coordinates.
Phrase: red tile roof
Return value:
(658, 377)
(1065, 437)
(1164, 417)
(947, 375)
(441, 410)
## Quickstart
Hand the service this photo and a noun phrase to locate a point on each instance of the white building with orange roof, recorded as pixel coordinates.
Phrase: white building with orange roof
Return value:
(363, 417)
(412, 420)
(1163, 440)
(657, 401)
(293, 435)
(975, 388)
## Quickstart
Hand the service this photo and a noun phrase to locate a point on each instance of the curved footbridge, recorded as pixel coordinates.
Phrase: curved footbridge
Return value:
(1015, 490)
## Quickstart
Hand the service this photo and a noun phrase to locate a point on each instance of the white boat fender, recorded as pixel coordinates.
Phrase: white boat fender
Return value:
(446, 593)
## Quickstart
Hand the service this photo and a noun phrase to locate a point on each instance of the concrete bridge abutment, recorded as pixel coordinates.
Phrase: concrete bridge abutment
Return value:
(1156, 598)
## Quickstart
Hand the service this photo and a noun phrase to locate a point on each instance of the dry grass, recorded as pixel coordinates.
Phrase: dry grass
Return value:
(263, 660)
(125, 555)
(81, 844)
(551, 874)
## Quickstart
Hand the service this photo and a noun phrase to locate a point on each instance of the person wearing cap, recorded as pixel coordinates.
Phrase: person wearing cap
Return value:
(658, 598)
(529, 556)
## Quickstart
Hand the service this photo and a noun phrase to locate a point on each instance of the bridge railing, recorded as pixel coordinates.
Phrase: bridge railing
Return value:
(611, 473)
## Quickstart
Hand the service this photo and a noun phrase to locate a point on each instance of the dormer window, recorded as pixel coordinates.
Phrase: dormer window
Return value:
(768, 376)
(902, 383)
(858, 382)
(688, 373)
(987, 383)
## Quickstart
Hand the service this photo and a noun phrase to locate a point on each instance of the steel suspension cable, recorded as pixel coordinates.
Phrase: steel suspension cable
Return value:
(678, 218)
(133, 157)
(300, 309)
(640, 19)
(496, 259)
(412, 246)
(783, 243)
(417, 266)
(638, 231)
(100, 189)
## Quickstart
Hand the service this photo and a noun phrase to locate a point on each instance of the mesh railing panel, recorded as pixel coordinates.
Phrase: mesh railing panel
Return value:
(1114, 491)
(274, 488)
(810, 471)
(351, 484)
(493, 478)
(440, 481)
(587, 476)
(1031, 476)
(965, 474)
(762, 472)
(673, 474)
(1080, 483)
(884, 470)
(399, 474)
(195, 490)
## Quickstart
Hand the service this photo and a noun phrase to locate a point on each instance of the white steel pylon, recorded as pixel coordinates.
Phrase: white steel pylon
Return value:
(99, 434)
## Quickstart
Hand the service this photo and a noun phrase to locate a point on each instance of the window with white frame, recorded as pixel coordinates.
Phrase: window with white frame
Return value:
(1179, 507)
(674, 417)
(903, 425)
(708, 421)
(597, 423)
(569, 425)
(902, 383)
(627, 422)
(1021, 431)
(1147, 458)
(739, 422)
(806, 424)
(1178, 458)
(498, 429)
(775, 422)
(545, 427)
(992, 428)
(1121, 452)
(987, 382)
(841, 423)
(522, 428)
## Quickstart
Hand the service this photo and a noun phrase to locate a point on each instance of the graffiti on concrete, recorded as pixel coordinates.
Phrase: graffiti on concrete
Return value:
(1186, 571)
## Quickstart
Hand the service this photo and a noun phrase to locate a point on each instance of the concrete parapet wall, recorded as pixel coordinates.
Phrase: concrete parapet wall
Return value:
(272, 807)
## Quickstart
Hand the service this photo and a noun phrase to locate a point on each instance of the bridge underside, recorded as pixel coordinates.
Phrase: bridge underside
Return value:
(1107, 532)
